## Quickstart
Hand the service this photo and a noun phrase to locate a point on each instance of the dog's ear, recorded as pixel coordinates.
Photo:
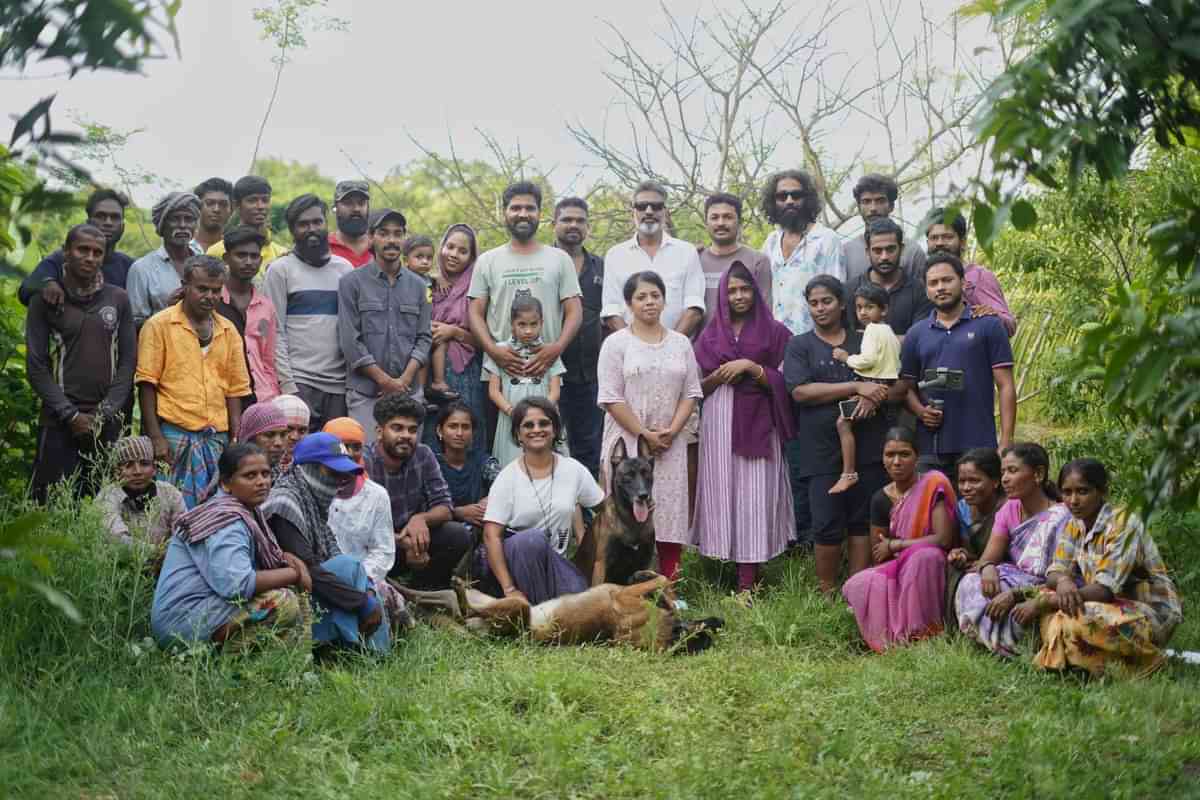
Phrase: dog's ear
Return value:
(644, 449)
(618, 452)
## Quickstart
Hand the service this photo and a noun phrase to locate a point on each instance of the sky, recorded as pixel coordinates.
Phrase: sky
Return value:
(428, 71)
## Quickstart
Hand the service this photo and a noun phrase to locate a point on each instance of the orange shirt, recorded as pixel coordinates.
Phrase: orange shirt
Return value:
(192, 385)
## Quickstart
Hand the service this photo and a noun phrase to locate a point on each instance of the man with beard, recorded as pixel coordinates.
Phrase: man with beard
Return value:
(981, 290)
(216, 207)
(907, 302)
(79, 357)
(955, 338)
(351, 210)
(577, 403)
(383, 324)
(191, 372)
(876, 198)
(252, 203)
(428, 542)
(524, 266)
(303, 287)
(155, 278)
(800, 249)
(677, 262)
(723, 219)
(250, 311)
(106, 211)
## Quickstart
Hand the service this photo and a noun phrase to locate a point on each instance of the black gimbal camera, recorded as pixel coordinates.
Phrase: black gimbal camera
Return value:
(946, 379)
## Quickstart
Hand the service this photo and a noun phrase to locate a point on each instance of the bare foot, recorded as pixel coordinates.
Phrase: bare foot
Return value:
(439, 386)
(847, 480)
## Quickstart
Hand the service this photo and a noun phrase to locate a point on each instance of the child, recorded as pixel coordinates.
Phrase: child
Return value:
(139, 508)
(418, 257)
(507, 390)
(878, 361)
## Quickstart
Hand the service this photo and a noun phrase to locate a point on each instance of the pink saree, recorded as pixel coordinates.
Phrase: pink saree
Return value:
(904, 599)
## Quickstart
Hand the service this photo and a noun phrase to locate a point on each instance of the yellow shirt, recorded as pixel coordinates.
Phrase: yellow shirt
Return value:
(270, 251)
(192, 385)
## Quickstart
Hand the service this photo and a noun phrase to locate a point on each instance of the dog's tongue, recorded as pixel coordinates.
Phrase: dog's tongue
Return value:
(641, 511)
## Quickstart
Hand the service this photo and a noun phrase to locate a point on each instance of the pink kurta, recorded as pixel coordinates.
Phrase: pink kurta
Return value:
(652, 379)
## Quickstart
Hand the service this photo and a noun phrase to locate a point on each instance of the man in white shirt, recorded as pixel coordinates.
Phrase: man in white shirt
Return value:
(677, 262)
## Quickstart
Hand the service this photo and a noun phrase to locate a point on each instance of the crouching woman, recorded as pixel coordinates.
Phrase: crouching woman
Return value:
(225, 578)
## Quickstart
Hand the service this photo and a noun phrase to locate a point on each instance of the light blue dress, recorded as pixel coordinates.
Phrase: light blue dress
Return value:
(515, 390)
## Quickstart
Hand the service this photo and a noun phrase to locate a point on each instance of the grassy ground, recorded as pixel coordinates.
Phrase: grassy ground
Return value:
(787, 705)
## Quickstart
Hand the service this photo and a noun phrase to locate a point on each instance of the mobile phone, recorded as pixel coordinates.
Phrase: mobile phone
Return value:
(848, 407)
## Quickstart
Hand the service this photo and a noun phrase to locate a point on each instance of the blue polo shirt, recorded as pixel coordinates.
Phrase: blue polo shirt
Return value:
(976, 345)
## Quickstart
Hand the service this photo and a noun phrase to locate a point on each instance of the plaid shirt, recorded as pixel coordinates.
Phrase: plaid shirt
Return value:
(415, 488)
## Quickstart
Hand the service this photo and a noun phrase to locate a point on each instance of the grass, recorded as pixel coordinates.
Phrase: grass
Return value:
(788, 705)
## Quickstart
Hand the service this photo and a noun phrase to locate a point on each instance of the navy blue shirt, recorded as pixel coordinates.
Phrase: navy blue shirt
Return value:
(975, 345)
(583, 351)
(115, 268)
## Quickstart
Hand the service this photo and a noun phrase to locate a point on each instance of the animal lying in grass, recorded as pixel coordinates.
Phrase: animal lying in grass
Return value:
(641, 615)
(620, 541)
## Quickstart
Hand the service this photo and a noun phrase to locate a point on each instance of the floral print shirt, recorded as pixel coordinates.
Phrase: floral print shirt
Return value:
(819, 254)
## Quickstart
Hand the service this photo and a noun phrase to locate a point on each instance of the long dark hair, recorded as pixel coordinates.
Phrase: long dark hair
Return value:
(1034, 456)
(232, 457)
(1093, 472)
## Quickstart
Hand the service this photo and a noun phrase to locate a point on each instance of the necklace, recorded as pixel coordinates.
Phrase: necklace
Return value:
(545, 519)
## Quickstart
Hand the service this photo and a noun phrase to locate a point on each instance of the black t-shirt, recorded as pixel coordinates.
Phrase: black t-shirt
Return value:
(881, 510)
(583, 352)
(810, 360)
(907, 303)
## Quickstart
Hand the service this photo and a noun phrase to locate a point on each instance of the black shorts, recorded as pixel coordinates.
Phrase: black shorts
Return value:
(834, 516)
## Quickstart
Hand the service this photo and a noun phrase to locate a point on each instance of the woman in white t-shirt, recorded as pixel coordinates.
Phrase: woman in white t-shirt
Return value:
(530, 510)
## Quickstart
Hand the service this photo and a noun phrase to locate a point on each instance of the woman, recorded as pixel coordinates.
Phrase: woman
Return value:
(743, 495)
(469, 471)
(530, 512)
(297, 415)
(649, 383)
(1127, 607)
(1018, 553)
(464, 362)
(913, 524)
(979, 500)
(225, 577)
(348, 610)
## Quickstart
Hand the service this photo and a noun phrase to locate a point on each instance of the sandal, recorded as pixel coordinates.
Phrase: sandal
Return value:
(438, 397)
(847, 480)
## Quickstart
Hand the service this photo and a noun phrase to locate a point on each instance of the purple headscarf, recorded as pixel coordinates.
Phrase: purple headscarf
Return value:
(756, 412)
(450, 305)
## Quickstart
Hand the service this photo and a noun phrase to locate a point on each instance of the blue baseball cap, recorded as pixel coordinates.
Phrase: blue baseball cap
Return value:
(326, 449)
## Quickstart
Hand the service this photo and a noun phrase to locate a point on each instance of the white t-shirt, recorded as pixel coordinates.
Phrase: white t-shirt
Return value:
(549, 503)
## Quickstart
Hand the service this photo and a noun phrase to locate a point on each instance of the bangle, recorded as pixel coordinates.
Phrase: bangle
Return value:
(762, 371)
(508, 589)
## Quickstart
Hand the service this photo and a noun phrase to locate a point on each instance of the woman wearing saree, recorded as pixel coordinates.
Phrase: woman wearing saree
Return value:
(1018, 553)
(743, 497)
(913, 524)
(980, 498)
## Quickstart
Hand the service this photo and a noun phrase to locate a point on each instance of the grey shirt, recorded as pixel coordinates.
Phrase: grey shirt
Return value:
(150, 282)
(912, 259)
(382, 323)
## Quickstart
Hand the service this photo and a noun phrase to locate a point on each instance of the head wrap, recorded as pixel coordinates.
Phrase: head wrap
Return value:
(301, 204)
(260, 418)
(133, 448)
(450, 303)
(346, 429)
(302, 496)
(295, 410)
(175, 201)
(251, 184)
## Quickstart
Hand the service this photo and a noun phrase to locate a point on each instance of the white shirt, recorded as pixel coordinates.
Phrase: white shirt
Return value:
(548, 503)
(820, 253)
(677, 262)
(362, 525)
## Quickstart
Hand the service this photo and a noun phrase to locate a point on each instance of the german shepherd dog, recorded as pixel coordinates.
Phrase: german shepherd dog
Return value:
(641, 615)
(620, 541)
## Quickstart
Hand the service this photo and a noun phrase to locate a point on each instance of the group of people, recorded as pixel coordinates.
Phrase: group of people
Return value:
(380, 404)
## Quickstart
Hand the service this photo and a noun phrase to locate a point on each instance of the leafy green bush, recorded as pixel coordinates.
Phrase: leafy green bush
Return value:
(18, 404)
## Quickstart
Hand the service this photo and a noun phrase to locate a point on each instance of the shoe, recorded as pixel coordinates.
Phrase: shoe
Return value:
(439, 397)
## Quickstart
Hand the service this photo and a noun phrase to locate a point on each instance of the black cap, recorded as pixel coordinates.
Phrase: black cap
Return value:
(378, 217)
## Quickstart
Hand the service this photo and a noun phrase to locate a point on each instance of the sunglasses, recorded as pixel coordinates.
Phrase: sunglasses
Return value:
(794, 194)
(648, 206)
(531, 424)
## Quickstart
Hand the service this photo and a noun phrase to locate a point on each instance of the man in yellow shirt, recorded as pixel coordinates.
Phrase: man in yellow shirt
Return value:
(252, 204)
(191, 374)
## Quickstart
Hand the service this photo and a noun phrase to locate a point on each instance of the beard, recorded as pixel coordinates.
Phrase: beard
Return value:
(954, 251)
(353, 225)
(650, 227)
(313, 250)
(522, 230)
(792, 218)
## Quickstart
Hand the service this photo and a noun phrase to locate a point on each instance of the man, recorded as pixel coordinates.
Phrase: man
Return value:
(907, 302)
(250, 311)
(79, 358)
(954, 338)
(580, 388)
(155, 278)
(303, 287)
(981, 290)
(524, 266)
(351, 210)
(652, 248)
(800, 248)
(106, 211)
(427, 541)
(383, 324)
(818, 383)
(216, 207)
(876, 198)
(252, 204)
(723, 220)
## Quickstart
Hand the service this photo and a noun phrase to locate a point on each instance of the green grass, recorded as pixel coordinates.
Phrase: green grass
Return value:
(787, 705)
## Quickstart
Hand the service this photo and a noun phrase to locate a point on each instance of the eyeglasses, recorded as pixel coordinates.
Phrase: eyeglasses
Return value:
(530, 424)
(793, 194)
(648, 206)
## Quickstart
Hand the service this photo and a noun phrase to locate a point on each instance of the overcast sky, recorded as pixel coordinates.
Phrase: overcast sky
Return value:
(517, 70)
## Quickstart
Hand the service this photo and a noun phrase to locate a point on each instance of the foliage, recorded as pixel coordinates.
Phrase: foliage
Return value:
(18, 404)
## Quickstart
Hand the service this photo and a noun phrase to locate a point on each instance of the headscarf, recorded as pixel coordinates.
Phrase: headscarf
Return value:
(302, 496)
(295, 410)
(764, 341)
(348, 430)
(175, 201)
(212, 515)
(133, 448)
(450, 305)
(260, 418)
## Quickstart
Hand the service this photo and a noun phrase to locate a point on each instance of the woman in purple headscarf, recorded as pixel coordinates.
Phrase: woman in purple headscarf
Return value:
(743, 497)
